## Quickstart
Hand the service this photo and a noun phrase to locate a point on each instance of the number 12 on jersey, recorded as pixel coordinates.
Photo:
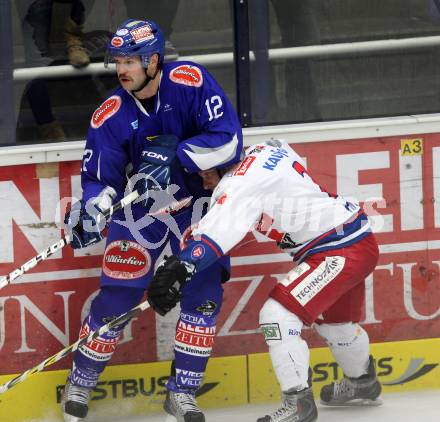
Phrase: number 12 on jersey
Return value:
(213, 105)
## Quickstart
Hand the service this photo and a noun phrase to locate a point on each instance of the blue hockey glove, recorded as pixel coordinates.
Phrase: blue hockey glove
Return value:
(85, 222)
(158, 159)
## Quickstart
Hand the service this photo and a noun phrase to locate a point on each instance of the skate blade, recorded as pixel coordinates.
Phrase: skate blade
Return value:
(356, 403)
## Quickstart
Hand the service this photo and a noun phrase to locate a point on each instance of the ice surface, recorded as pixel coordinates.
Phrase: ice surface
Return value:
(423, 406)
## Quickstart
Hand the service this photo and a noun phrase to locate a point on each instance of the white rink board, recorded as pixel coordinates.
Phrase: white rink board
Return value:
(420, 406)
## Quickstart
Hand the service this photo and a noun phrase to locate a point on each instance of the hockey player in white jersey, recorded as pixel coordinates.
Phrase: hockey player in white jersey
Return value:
(331, 243)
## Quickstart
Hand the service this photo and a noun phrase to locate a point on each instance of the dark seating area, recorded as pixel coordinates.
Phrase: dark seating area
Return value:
(322, 88)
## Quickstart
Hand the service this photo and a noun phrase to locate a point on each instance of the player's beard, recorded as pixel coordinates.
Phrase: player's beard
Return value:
(140, 85)
(131, 85)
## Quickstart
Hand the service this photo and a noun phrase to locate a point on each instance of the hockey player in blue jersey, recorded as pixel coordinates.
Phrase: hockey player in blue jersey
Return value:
(166, 123)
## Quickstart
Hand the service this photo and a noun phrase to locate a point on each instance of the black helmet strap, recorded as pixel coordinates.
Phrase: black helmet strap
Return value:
(144, 84)
(147, 79)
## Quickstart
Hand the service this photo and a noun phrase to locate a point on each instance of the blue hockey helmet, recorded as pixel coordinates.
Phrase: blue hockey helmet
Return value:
(137, 37)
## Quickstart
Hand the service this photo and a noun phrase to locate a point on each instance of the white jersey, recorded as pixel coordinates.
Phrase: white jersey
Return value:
(272, 191)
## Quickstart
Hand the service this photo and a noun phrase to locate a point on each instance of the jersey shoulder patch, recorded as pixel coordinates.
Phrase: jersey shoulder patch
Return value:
(244, 166)
(106, 110)
(188, 75)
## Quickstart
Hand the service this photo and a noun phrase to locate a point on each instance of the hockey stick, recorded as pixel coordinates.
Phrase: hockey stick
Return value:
(174, 206)
(69, 349)
(5, 280)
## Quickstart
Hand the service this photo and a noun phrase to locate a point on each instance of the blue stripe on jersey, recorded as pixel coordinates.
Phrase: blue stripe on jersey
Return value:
(347, 234)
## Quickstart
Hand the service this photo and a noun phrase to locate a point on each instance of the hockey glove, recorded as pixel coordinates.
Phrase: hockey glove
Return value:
(158, 159)
(85, 221)
(164, 289)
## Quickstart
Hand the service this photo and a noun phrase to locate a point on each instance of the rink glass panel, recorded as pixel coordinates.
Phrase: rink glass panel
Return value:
(283, 90)
(345, 86)
(191, 27)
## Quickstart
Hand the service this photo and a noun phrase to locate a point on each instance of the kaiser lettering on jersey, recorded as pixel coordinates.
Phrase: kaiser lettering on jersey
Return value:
(276, 156)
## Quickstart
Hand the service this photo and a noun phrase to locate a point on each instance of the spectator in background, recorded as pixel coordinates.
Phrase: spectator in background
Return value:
(434, 10)
(73, 33)
(298, 24)
(36, 20)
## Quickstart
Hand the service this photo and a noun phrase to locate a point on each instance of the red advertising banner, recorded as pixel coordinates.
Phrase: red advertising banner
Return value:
(397, 179)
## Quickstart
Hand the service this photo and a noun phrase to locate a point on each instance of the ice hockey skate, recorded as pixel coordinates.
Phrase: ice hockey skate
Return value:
(362, 391)
(75, 402)
(182, 404)
(298, 406)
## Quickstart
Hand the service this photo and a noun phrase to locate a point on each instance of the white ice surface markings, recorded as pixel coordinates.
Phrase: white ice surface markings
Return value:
(423, 406)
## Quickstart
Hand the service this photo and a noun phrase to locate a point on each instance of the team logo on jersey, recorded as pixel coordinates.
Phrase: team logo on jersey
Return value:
(271, 331)
(256, 150)
(151, 138)
(116, 42)
(122, 32)
(187, 235)
(314, 282)
(198, 252)
(167, 107)
(144, 33)
(187, 75)
(244, 166)
(207, 308)
(106, 110)
(124, 259)
(222, 199)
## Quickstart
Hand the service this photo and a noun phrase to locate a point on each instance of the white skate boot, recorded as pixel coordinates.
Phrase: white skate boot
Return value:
(362, 391)
(298, 406)
(75, 402)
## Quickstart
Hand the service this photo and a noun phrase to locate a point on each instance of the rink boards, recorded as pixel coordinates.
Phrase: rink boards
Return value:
(392, 166)
(138, 389)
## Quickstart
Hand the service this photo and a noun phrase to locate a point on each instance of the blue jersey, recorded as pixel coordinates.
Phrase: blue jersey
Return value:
(190, 105)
